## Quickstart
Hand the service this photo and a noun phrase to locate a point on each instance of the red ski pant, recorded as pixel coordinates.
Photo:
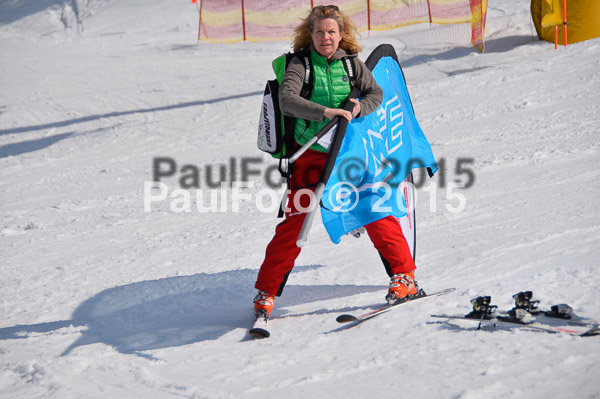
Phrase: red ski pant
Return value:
(282, 251)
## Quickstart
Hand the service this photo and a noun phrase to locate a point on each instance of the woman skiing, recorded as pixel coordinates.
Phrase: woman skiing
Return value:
(330, 35)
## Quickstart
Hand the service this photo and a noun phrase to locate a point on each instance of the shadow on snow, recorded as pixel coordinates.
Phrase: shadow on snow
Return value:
(11, 11)
(31, 145)
(499, 45)
(178, 310)
(115, 114)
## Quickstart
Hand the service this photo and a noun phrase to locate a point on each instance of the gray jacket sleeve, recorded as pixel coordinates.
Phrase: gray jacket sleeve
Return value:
(292, 104)
(371, 95)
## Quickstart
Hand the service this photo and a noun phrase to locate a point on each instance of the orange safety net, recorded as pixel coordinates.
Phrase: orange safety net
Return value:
(275, 20)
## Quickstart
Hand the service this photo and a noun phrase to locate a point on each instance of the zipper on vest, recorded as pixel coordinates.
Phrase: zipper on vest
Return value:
(330, 84)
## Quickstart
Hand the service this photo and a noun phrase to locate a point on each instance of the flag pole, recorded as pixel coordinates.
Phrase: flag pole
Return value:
(310, 215)
(324, 130)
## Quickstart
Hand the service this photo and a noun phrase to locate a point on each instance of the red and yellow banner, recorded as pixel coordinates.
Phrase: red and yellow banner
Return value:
(271, 20)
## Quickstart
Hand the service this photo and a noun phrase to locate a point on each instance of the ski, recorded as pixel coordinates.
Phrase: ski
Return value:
(357, 319)
(259, 328)
(527, 315)
(586, 331)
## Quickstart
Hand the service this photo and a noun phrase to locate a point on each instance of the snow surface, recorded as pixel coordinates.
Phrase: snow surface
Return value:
(100, 299)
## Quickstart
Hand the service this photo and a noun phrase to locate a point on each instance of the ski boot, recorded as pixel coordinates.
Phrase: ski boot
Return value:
(263, 304)
(402, 287)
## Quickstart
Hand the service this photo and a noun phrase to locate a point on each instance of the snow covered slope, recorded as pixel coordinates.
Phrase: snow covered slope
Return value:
(99, 298)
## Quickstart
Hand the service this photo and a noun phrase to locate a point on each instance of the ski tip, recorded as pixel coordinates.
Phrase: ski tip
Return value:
(592, 332)
(346, 318)
(445, 291)
(259, 333)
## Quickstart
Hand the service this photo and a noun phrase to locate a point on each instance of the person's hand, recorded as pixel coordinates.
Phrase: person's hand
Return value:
(356, 109)
(333, 112)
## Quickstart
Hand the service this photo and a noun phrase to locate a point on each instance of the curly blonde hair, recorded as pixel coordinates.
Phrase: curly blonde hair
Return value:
(303, 33)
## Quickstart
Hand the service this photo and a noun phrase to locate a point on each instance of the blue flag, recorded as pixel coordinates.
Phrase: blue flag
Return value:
(377, 153)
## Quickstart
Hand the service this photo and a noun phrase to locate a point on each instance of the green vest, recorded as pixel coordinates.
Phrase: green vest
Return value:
(331, 87)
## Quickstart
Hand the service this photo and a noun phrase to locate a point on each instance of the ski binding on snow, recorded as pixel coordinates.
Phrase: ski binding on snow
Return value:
(526, 314)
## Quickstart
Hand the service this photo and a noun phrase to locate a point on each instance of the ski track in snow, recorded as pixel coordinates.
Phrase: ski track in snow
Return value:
(101, 299)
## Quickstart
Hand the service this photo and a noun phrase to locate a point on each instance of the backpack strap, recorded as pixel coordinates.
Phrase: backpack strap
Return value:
(307, 84)
(305, 92)
(309, 78)
(350, 68)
